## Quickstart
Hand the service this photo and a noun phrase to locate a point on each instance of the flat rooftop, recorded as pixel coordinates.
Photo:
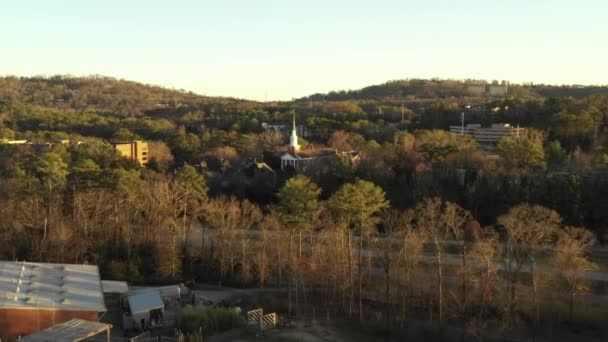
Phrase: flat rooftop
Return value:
(30, 285)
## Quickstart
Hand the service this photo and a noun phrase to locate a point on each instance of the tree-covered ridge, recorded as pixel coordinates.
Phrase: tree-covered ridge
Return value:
(418, 89)
(100, 94)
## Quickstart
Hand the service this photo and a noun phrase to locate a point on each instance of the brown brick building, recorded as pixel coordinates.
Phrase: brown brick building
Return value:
(36, 296)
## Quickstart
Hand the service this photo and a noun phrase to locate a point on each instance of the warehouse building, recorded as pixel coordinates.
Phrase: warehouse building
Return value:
(36, 296)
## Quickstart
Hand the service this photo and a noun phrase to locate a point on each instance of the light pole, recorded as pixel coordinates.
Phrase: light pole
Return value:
(462, 119)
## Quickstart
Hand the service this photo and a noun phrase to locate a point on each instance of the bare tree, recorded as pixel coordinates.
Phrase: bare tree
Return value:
(270, 225)
(231, 219)
(392, 222)
(485, 272)
(410, 255)
(530, 229)
(570, 260)
(440, 221)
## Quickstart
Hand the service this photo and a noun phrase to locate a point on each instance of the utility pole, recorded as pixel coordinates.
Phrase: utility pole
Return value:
(462, 119)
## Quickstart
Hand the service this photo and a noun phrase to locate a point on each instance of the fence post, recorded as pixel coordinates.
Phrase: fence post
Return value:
(261, 324)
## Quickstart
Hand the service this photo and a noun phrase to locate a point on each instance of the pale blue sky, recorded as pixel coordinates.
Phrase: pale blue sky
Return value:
(283, 49)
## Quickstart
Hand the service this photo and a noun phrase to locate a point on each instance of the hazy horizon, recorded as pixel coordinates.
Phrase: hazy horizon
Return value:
(271, 51)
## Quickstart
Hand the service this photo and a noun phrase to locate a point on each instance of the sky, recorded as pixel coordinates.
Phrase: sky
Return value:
(278, 50)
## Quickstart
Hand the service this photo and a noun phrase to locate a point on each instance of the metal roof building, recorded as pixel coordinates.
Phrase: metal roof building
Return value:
(145, 301)
(72, 330)
(35, 296)
(113, 286)
(146, 309)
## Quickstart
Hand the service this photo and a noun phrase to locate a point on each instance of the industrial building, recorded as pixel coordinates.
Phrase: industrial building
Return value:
(36, 296)
(488, 136)
(134, 150)
(491, 135)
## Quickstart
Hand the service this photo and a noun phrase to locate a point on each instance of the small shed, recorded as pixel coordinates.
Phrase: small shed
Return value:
(146, 309)
(72, 330)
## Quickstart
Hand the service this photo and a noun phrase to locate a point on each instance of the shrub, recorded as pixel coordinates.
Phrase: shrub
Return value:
(210, 320)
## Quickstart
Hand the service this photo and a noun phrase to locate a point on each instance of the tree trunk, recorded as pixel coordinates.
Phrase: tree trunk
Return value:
(535, 300)
(280, 266)
(361, 276)
(173, 256)
(350, 275)
(243, 260)
(464, 290)
(290, 279)
(263, 260)
(369, 260)
(115, 230)
(439, 285)
(203, 236)
(405, 282)
(388, 291)
(572, 288)
(222, 263)
(464, 284)
(298, 273)
(484, 292)
(184, 232)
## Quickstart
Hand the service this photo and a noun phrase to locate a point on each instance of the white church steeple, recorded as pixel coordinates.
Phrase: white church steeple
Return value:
(294, 147)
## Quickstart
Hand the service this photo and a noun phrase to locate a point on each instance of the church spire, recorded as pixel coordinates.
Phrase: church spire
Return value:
(293, 140)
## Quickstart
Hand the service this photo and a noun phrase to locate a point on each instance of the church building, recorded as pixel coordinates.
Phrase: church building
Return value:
(300, 160)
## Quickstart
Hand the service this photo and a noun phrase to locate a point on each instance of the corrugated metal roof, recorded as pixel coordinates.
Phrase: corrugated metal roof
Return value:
(167, 291)
(27, 285)
(73, 330)
(113, 286)
(145, 301)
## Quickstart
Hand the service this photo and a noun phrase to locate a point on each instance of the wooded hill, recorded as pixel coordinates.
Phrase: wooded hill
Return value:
(110, 95)
(103, 94)
(417, 89)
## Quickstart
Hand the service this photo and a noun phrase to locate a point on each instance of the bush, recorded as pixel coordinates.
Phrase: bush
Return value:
(211, 320)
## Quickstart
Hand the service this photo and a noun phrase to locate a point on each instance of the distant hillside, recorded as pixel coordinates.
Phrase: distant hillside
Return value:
(420, 89)
(100, 94)
(118, 97)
